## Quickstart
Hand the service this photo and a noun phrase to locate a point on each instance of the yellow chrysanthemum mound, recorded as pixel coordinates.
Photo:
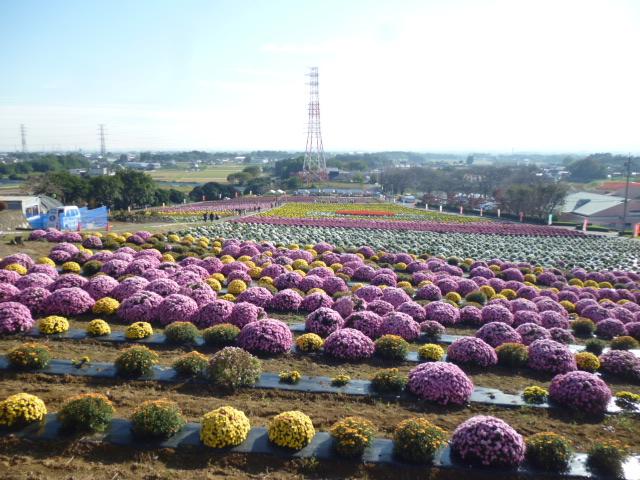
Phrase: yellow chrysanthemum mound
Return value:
(167, 257)
(20, 409)
(236, 287)
(106, 306)
(291, 429)
(138, 330)
(73, 267)
(98, 328)
(53, 324)
(587, 361)
(214, 283)
(46, 261)
(16, 267)
(309, 342)
(224, 427)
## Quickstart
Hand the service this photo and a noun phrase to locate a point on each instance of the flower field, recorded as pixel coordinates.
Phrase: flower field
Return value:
(556, 327)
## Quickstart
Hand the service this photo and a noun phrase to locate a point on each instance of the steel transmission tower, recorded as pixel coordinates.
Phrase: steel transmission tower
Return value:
(315, 166)
(103, 146)
(23, 136)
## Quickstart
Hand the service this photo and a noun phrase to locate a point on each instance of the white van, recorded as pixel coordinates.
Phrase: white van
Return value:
(63, 218)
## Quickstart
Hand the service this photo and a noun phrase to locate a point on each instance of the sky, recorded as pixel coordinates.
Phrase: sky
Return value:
(421, 75)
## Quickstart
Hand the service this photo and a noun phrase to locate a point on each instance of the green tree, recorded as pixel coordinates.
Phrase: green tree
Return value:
(138, 189)
(106, 190)
(587, 170)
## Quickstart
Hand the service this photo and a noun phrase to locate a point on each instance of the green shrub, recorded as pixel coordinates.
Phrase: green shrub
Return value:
(29, 356)
(352, 435)
(549, 451)
(86, 412)
(191, 364)
(607, 457)
(181, 333)
(583, 327)
(91, 267)
(513, 355)
(157, 419)
(136, 361)
(392, 347)
(389, 380)
(595, 346)
(416, 440)
(221, 335)
(624, 342)
(234, 367)
(476, 297)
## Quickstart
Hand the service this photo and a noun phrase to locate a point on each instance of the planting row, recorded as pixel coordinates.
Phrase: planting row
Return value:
(483, 441)
(231, 367)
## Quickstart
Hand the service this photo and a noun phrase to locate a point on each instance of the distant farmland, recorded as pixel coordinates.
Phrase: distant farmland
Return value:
(209, 174)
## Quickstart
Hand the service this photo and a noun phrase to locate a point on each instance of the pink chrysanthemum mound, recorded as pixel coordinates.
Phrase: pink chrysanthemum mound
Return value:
(551, 356)
(401, 324)
(440, 382)
(68, 301)
(139, 307)
(497, 333)
(176, 308)
(472, 351)
(214, 313)
(349, 344)
(266, 336)
(245, 312)
(488, 441)
(14, 318)
(323, 321)
(580, 391)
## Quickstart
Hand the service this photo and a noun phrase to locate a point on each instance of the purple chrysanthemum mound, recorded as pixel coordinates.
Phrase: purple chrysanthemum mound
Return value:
(309, 282)
(496, 313)
(380, 307)
(266, 336)
(259, 296)
(530, 332)
(414, 310)
(432, 329)
(68, 301)
(163, 287)
(200, 292)
(100, 286)
(553, 319)
(14, 318)
(349, 344)
(245, 312)
(610, 327)
(488, 441)
(317, 300)
(633, 329)
(214, 313)
(128, 287)
(22, 259)
(68, 280)
(176, 308)
(580, 391)
(440, 382)
(345, 306)
(369, 293)
(429, 292)
(395, 296)
(443, 313)
(33, 280)
(114, 267)
(92, 242)
(401, 324)
(525, 316)
(139, 307)
(473, 351)
(287, 280)
(471, 315)
(286, 301)
(365, 321)
(333, 285)
(620, 362)
(561, 335)
(7, 292)
(497, 333)
(551, 356)
(32, 298)
(324, 321)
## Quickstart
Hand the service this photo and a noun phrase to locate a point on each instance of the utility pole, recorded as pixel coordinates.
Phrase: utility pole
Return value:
(626, 193)
(103, 146)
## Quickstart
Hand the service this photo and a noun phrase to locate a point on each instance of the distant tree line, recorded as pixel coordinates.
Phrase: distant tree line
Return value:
(43, 164)
(516, 189)
(127, 188)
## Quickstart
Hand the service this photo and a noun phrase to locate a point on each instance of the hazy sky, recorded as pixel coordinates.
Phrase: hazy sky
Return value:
(447, 75)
